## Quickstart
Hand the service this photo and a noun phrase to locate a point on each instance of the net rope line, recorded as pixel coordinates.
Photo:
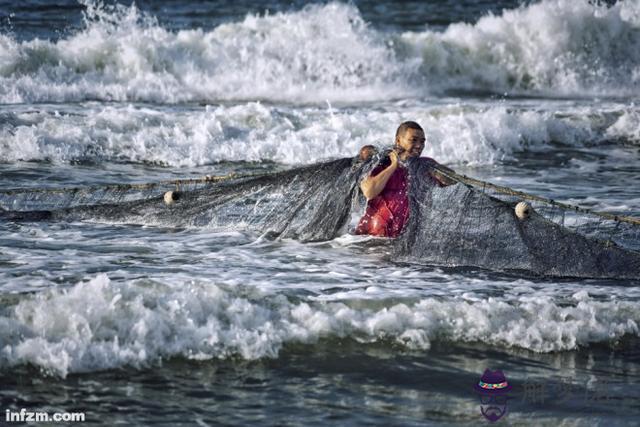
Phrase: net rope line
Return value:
(448, 173)
(142, 186)
(476, 183)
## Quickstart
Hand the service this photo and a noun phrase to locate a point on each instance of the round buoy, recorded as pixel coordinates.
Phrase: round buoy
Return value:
(523, 210)
(170, 197)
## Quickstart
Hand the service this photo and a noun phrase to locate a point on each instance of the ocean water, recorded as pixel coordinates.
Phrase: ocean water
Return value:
(141, 325)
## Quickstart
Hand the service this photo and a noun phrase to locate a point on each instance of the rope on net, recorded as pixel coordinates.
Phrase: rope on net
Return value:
(63, 197)
(124, 187)
(476, 183)
(209, 179)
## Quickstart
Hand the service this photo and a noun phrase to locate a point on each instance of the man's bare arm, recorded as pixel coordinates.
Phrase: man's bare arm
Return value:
(373, 185)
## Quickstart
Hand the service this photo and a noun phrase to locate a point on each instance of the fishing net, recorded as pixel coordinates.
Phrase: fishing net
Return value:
(309, 203)
(476, 225)
(467, 223)
(25, 199)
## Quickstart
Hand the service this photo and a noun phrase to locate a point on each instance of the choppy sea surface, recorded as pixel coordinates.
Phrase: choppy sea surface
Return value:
(142, 325)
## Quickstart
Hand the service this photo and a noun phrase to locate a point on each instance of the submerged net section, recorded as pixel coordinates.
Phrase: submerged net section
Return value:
(309, 203)
(462, 224)
(25, 199)
(613, 228)
(467, 223)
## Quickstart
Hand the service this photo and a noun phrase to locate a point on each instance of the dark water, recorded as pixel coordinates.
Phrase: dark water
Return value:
(52, 20)
(147, 325)
(343, 382)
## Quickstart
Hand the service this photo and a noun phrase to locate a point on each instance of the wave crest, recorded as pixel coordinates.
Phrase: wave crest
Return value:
(259, 132)
(101, 324)
(328, 52)
(317, 53)
(555, 47)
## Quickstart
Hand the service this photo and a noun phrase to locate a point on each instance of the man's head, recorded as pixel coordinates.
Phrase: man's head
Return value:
(410, 139)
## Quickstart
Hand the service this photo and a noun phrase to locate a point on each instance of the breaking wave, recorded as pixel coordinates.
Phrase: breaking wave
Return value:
(328, 52)
(550, 48)
(257, 132)
(102, 324)
(122, 54)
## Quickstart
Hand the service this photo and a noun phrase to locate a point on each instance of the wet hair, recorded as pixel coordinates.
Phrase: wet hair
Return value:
(407, 125)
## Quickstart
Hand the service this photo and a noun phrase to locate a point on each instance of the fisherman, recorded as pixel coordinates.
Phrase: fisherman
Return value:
(386, 186)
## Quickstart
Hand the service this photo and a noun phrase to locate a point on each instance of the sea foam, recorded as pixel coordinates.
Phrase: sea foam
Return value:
(549, 48)
(317, 53)
(472, 134)
(328, 52)
(101, 324)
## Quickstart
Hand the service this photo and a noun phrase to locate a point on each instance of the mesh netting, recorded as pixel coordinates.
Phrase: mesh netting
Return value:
(468, 223)
(25, 199)
(465, 225)
(310, 203)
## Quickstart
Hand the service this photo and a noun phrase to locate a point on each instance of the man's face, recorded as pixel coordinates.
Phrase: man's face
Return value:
(412, 141)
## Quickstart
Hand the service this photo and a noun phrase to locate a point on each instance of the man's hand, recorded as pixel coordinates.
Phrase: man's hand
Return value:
(367, 152)
(393, 156)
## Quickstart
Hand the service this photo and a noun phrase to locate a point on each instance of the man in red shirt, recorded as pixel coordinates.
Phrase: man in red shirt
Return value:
(387, 185)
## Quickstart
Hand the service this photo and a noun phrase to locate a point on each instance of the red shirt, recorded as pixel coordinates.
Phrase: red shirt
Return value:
(387, 213)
